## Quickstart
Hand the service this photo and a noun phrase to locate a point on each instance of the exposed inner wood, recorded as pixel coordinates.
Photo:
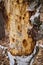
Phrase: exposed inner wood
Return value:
(18, 24)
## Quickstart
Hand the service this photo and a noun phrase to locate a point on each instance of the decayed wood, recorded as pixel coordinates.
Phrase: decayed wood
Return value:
(18, 23)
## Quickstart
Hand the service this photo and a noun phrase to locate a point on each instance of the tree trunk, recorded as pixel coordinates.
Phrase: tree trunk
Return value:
(18, 23)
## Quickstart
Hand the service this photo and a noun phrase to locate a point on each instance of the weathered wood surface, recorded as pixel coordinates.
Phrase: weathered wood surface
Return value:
(5, 61)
